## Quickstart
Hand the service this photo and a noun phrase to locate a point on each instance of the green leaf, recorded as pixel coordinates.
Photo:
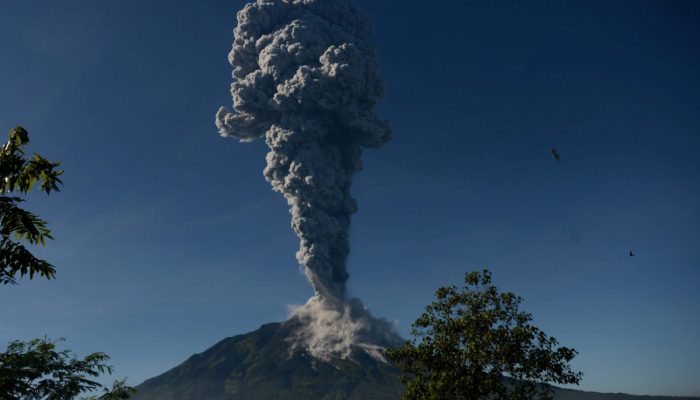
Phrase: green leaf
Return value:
(18, 174)
(475, 343)
(35, 370)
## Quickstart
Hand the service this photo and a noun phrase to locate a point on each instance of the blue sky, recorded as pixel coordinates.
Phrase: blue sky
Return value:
(169, 239)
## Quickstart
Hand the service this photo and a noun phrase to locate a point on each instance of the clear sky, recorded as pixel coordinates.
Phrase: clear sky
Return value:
(169, 239)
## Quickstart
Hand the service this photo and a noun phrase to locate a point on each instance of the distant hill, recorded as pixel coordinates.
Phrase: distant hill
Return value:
(260, 365)
(569, 394)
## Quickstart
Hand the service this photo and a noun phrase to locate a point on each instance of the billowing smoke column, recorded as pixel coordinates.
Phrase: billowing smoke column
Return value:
(305, 76)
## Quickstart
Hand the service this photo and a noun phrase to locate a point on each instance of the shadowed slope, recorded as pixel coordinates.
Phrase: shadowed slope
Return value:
(259, 366)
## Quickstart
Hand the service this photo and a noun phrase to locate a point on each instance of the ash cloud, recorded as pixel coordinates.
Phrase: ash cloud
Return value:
(306, 78)
(336, 330)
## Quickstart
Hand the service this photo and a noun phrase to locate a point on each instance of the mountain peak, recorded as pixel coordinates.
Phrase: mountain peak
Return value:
(265, 364)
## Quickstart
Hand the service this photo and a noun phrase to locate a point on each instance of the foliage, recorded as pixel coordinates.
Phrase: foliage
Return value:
(20, 174)
(475, 343)
(35, 370)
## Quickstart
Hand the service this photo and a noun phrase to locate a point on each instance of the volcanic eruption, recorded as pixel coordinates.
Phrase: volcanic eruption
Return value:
(306, 78)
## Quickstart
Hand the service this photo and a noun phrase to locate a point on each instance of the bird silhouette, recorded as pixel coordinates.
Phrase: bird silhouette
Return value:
(631, 254)
(553, 150)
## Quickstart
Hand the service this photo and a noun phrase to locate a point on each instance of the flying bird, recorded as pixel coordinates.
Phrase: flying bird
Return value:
(631, 254)
(553, 150)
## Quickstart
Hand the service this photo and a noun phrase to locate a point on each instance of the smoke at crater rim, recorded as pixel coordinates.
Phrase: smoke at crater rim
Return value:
(306, 77)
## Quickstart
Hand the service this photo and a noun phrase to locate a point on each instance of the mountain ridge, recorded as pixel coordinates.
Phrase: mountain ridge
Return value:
(262, 365)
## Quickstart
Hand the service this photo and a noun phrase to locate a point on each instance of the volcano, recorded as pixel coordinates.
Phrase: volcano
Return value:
(265, 365)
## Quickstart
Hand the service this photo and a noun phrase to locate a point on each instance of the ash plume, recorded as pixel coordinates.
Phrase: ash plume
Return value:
(306, 77)
(336, 330)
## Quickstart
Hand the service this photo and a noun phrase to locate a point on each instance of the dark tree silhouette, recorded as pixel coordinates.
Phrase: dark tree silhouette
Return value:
(19, 175)
(475, 343)
(34, 370)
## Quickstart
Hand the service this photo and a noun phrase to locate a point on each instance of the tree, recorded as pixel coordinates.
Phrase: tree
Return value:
(35, 370)
(19, 175)
(474, 343)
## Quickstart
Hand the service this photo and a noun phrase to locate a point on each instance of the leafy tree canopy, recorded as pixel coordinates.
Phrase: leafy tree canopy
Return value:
(19, 174)
(475, 343)
(35, 370)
